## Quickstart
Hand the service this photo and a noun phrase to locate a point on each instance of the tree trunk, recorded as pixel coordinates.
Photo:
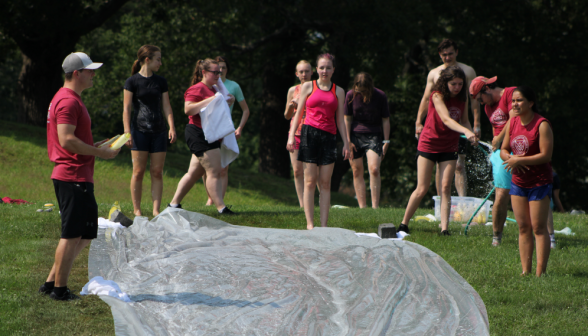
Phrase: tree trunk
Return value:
(38, 82)
(273, 156)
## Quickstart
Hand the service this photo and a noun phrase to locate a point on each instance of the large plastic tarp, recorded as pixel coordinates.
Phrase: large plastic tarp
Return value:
(190, 274)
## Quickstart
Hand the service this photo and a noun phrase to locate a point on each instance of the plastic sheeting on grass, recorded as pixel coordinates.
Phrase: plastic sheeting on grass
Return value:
(190, 274)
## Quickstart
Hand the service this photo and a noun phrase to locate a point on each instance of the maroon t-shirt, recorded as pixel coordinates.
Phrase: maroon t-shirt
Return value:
(197, 93)
(367, 117)
(524, 140)
(67, 108)
(436, 137)
(498, 113)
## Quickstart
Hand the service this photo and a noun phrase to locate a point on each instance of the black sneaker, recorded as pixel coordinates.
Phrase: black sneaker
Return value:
(176, 207)
(403, 228)
(67, 296)
(227, 211)
(45, 290)
(445, 233)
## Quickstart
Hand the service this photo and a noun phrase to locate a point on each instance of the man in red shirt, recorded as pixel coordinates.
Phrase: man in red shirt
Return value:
(71, 147)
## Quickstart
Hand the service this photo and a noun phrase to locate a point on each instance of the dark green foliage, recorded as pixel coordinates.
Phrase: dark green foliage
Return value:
(537, 43)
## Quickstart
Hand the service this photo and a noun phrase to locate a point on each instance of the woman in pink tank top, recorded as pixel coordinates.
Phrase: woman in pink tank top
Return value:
(304, 73)
(530, 138)
(324, 103)
(438, 143)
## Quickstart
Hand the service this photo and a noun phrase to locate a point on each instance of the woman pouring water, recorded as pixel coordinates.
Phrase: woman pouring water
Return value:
(438, 143)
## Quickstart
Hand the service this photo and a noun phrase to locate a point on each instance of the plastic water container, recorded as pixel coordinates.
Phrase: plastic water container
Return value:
(462, 208)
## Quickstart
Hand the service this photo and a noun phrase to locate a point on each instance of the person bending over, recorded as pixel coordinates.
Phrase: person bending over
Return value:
(439, 141)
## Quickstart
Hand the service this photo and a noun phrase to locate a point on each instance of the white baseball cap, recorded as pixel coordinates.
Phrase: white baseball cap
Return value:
(78, 60)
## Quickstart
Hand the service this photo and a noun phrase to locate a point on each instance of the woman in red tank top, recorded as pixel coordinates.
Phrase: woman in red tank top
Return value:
(324, 104)
(304, 73)
(438, 143)
(530, 138)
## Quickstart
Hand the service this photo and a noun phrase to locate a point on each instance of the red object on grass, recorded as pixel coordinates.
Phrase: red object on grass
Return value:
(15, 201)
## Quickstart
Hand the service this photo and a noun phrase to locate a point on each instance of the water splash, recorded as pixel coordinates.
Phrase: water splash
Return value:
(479, 171)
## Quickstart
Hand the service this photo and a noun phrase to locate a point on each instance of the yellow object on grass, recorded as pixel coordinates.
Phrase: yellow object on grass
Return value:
(115, 207)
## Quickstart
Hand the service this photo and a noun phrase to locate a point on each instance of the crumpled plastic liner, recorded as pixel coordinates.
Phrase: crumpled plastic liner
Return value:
(190, 274)
(99, 286)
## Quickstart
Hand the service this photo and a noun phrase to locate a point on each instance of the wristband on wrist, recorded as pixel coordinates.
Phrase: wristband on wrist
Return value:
(386, 141)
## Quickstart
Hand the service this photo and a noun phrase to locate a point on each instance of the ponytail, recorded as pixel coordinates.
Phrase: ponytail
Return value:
(200, 66)
(146, 51)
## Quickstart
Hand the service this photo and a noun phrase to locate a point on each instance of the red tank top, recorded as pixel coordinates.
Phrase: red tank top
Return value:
(295, 97)
(321, 107)
(524, 140)
(436, 137)
(498, 113)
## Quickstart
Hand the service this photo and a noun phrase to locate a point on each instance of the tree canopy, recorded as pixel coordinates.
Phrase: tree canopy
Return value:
(532, 42)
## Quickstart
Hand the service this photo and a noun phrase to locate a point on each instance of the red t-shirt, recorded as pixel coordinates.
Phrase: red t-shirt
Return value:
(498, 113)
(436, 137)
(67, 108)
(524, 140)
(197, 93)
(321, 108)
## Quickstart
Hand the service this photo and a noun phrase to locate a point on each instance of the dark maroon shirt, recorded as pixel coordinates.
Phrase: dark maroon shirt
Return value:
(367, 118)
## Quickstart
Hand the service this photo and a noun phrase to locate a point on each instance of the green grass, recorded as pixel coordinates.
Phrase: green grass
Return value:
(556, 304)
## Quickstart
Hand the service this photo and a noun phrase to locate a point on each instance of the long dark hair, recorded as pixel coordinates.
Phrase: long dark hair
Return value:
(447, 76)
(223, 59)
(201, 65)
(363, 84)
(529, 95)
(146, 51)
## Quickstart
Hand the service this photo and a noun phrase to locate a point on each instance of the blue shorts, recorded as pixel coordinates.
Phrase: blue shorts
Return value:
(533, 194)
(502, 178)
(149, 142)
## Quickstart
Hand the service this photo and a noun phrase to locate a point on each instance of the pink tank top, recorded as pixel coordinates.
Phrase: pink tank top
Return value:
(321, 108)
(295, 97)
(524, 140)
(436, 137)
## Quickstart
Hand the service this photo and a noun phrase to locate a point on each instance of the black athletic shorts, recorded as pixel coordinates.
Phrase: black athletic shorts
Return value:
(196, 141)
(366, 141)
(438, 157)
(461, 149)
(79, 211)
(317, 146)
(149, 142)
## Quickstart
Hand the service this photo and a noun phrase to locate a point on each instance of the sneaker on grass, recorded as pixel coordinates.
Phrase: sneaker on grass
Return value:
(45, 290)
(226, 211)
(497, 239)
(403, 228)
(445, 233)
(67, 296)
(176, 206)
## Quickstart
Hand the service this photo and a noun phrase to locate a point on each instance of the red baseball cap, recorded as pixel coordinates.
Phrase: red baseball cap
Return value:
(478, 84)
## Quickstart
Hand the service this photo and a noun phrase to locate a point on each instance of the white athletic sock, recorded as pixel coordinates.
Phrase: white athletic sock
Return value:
(174, 205)
(221, 210)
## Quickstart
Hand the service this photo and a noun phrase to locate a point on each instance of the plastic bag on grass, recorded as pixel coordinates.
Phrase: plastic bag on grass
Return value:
(189, 274)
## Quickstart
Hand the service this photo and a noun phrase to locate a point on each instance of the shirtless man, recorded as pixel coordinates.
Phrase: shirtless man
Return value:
(448, 52)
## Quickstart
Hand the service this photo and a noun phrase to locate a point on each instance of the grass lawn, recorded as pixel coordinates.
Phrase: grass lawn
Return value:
(556, 304)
